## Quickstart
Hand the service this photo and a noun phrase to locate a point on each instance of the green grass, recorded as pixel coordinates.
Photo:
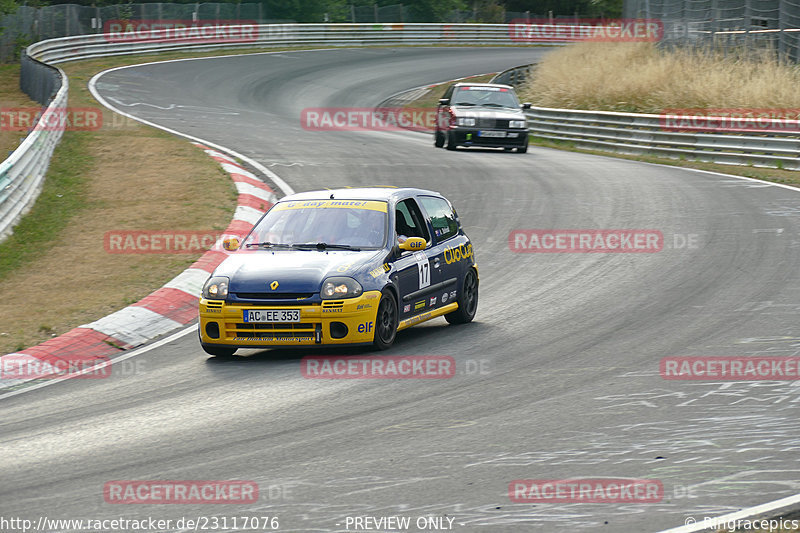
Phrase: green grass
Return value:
(62, 198)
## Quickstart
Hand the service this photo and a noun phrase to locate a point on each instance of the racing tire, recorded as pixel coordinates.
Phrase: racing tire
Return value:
(386, 321)
(467, 300)
(438, 139)
(219, 351)
(523, 149)
(451, 141)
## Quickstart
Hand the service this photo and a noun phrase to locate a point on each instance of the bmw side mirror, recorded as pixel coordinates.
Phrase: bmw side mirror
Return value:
(526, 105)
(444, 101)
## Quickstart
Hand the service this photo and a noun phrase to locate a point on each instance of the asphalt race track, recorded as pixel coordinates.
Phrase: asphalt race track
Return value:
(557, 378)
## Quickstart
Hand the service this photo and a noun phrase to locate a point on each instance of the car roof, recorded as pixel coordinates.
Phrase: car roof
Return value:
(467, 84)
(362, 193)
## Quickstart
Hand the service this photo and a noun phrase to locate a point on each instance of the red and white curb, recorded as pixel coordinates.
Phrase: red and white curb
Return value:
(168, 308)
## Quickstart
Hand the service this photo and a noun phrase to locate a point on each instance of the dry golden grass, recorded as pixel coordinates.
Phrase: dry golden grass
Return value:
(134, 178)
(639, 77)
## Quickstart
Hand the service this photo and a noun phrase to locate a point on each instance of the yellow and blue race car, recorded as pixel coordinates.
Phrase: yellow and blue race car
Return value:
(341, 267)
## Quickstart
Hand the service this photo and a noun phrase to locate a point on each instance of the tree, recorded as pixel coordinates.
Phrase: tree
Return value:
(7, 6)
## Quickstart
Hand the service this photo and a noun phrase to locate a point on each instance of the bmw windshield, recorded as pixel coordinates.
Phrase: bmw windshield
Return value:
(321, 225)
(485, 97)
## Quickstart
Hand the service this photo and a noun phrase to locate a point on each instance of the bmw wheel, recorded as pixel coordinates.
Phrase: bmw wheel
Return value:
(438, 139)
(451, 140)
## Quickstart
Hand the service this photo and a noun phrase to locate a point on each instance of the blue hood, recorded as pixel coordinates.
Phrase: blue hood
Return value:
(296, 271)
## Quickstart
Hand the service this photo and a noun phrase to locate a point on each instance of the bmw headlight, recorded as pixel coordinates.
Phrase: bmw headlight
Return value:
(340, 287)
(466, 121)
(517, 124)
(216, 288)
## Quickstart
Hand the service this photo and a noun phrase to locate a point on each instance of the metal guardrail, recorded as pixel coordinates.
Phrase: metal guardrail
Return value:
(275, 35)
(643, 134)
(22, 174)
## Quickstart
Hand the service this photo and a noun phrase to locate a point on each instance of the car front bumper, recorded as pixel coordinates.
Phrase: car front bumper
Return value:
(477, 137)
(333, 322)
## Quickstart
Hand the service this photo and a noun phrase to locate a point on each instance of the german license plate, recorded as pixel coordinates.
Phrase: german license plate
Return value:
(500, 134)
(271, 315)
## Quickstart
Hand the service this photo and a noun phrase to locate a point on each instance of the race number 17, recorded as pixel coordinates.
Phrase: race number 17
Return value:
(424, 270)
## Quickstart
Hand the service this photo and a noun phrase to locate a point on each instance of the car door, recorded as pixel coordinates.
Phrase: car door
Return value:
(412, 269)
(448, 253)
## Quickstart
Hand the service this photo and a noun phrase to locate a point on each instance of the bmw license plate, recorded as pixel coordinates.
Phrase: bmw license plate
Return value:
(500, 134)
(271, 315)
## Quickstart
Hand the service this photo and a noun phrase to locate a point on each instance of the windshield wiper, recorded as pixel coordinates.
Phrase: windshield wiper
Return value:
(463, 103)
(492, 104)
(324, 246)
(267, 245)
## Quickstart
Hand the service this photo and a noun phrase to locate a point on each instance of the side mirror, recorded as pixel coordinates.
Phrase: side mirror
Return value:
(444, 101)
(526, 105)
(413, 244)
(231, 244)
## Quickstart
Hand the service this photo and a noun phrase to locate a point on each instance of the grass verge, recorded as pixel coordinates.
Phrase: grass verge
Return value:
(643, 78)
(124, 176)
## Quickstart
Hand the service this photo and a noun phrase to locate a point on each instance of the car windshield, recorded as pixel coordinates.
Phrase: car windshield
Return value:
(485, 96)
(321, 224)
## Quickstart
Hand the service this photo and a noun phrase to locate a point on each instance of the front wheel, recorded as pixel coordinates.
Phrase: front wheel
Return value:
(386, 322)
(467, 300)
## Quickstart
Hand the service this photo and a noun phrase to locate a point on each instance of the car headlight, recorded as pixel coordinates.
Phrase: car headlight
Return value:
(466, 121)
(340, 287)
(216, 288)
(517, 124)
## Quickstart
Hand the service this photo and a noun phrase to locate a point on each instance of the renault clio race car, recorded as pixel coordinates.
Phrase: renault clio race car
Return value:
(341, 267)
